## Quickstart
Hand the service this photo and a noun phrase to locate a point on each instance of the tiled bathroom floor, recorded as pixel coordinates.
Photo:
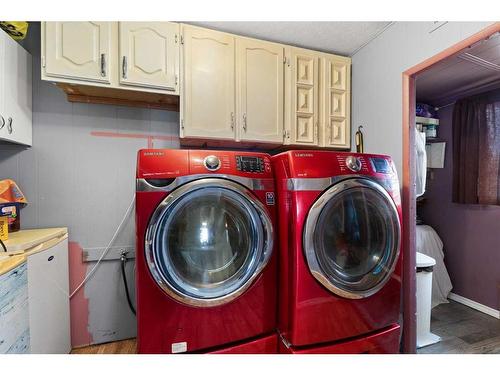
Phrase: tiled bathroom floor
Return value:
(463, 330)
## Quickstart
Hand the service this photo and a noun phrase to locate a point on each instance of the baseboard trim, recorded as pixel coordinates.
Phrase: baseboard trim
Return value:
(475, 305)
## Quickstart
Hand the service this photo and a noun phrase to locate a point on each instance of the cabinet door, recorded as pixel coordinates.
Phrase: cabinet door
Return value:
(208, 102)
(78, 50)
(149, 54)
(14, 313)
(337, 102)
(303, 109)
(2, 79)
(16, 86)
(48, 290)
(260, 91)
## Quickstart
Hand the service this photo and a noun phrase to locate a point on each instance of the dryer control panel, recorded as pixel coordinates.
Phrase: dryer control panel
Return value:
(167, 163)
(250, 164)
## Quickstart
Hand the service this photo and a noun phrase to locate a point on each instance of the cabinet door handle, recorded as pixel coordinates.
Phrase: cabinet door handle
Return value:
(286, 134)
(232, 120)
(124, 67)
(9, 125)
(2, 122)
(245, 122)
(103, 65)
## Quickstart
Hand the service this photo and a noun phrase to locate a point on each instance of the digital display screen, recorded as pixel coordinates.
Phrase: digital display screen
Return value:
(381, 165)
(249, 164)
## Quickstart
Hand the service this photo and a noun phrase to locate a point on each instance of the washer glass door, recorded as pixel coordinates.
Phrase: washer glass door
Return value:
(352, 238)
(207, 241)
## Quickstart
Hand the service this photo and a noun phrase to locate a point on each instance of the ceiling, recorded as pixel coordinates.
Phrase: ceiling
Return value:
(342, 38)
(471, 71)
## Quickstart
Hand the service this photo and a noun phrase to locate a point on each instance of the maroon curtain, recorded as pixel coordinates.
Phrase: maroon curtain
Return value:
(476, 150)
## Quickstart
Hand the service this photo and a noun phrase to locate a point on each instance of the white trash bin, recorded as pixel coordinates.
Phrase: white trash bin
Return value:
(425, 265)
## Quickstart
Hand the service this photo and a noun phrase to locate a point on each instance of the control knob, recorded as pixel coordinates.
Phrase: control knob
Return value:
(212, 162)
(353, 163)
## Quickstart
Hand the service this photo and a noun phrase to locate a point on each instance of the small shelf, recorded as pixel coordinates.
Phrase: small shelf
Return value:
(108, 95)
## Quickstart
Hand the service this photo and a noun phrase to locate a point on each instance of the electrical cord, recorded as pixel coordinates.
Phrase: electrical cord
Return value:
(123, 261)
(105, 251)
(3, 246)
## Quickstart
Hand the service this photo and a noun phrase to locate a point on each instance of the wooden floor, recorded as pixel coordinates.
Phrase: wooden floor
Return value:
(117, 347)
(463, 330)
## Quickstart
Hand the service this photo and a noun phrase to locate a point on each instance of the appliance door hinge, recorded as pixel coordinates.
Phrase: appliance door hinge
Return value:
(43, 61)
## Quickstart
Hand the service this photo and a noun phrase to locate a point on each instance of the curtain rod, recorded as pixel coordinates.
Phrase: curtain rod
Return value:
(444, 106)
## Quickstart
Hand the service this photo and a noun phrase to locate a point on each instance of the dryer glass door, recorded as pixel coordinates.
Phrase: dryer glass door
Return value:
(352, 238)
(207, 241)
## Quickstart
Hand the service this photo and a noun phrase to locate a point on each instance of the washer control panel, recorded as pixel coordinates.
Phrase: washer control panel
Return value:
(250, 164)
(212, 162)
(381, 165)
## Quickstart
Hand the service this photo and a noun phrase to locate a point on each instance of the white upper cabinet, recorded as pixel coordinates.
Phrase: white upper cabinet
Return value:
(317, 99)
(336, 91)
(241, 91)
(78, 50)
(149, 54)
(302, 99)
(260, 90)
(2, 83)
(15, 92)
(139, 56)
(208, 99)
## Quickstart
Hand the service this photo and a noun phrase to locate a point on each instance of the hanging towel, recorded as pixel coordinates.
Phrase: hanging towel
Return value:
(421, 162)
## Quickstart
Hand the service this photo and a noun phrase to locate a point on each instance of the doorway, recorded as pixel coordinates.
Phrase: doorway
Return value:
(410, 82)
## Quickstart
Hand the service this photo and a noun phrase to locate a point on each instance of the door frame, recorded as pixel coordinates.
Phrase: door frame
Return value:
(408, 192)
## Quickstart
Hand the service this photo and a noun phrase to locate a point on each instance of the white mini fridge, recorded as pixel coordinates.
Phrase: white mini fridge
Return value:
(46, 252)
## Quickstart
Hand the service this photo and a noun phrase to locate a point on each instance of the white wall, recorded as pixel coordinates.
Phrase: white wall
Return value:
(377, 78)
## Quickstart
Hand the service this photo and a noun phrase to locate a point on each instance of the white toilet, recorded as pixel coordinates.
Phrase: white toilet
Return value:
(425, 266)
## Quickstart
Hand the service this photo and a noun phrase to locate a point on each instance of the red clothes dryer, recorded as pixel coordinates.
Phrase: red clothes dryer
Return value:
(206, 269)
(340, 232)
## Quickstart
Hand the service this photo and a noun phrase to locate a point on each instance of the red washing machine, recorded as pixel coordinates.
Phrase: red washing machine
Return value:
(206, 269)
(340, 233)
